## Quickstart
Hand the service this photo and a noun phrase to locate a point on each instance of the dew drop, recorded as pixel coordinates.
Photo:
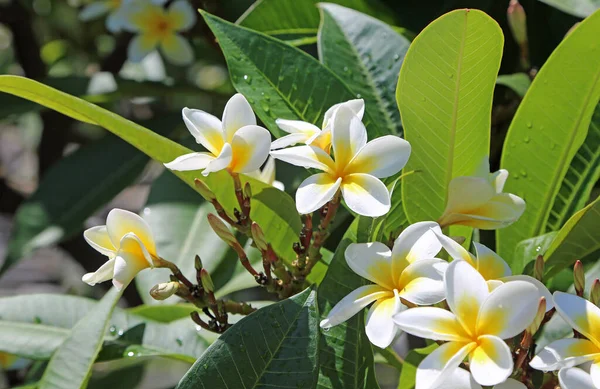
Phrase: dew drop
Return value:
(346, 69)
(358, 96)
(265, 106)
(423, 99)
(526, 139)
(450, 75)
(529, 124)
(120, 332)
(147, 211)
(523, 173)
(538, 249)
(396, 57)
(280, 78)
(248, 79)
(130, 354)
(179, 341)
(112, 330)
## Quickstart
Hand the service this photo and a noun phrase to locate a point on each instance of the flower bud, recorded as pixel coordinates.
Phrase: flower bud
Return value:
(595, 293)
(579, 278)
(259, 237)
(517, 21)
(207, 282)
(197, 263)
(221, 230)
(164, 291)
(247, 190)
(538, 268)
(539, 317)
(204, 190)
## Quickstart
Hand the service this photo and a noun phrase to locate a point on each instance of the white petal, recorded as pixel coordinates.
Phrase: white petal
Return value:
(417, 241)
(352, 303)
(177, 50)
(221, 162)
(380, 327)
(115, 21)
(131, 244)
(468, 193)
(489, 264)
(565, 353)
(182, 14)
(357, 106)
(120, 222)
(305, 156)
(510, 384)
(483, 169)
(498, 179)
(441, 364)
(491, 362)
(98, 238)
(127, 266)
(140, 46)
(191, 161)
(508, 310)
(366, 195)
(94, 10)
(288, 140)
(104, 273)
(250, 147)
(542, 290)
(423, 282)
(278, 185)
(456, 251)
(237, 114)
(381, 157)
(575, 378)
(348, 135)
(500, 211)
(298, 127)
(315, 191)
(205, 128)
(466, 290)
(595, 373)
(462, 379)
(431, 323)
(372, 261)
(581, 314)
(267, 175)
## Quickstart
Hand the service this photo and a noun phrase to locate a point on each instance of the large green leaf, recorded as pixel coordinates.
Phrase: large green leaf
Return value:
(277, 346)
(178, 339)
(281, 81)
(72, 190)
(300, 16)
(580, 179)
(548, 129)
(71, 365)
(411, 362)
(579, 8)
(345, 355)
(274, 210)
(578, 238)
(31, 341)
(445, 98)
(367, 54)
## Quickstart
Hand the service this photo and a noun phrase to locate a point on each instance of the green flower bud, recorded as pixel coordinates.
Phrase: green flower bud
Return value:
(164, 291)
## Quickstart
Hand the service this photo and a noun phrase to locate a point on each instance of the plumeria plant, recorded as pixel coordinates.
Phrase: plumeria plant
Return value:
(336, 208)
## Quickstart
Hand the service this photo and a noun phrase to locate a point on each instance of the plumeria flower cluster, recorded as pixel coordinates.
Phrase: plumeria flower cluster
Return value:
(486, 305)
(354, 170)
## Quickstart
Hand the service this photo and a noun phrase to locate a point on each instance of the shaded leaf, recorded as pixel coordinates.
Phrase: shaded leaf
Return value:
(409, 368)
(367, 54)
(527, 251)
(445, 95)
(281, 81)
(31, 341)
(579, 8)
(276, 346)
(518, 82)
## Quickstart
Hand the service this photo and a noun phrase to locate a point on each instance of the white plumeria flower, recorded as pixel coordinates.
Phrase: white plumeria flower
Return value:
(155, 27)
(575, 378)
(127, 241)
(491, 266)
(462, 379)
(115, 9)
(584, 317)
(267, 175)
(477, 201)
(475, 328)
(408, 271)
(308, 133)
(356, 170)
(236, 144)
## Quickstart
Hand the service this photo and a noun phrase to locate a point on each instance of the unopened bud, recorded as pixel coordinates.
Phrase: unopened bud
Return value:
(164, 291)
(204, 190)
(221, 230)
(517, 21)
(259, 237)
(579, 278)
(539, 317)
(207, 282)
(538, 268)
(197, 263)
(595, 293)
(247, 190)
